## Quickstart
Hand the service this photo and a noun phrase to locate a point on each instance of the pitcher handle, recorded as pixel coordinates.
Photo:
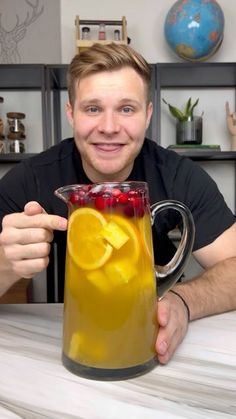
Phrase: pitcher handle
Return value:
(171, 272)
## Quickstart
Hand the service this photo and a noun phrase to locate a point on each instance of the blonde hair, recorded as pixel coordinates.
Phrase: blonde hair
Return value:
(109, 57)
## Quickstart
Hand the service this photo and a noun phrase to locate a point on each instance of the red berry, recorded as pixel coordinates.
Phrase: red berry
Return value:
(74, 197)
(100, 203)
(116, 192)
(129, 211)
(123, 198)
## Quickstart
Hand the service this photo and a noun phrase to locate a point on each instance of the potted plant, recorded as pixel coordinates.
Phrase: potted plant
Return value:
(188, 126)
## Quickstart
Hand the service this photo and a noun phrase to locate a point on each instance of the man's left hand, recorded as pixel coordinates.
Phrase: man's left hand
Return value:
(173, 325)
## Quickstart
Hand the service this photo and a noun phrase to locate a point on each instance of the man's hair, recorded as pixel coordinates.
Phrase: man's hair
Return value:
(109, 57)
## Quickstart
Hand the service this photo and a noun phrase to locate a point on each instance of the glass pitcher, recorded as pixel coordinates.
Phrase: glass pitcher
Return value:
(111, 283)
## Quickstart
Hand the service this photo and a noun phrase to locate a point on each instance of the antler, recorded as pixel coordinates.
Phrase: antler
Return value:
(35, 13)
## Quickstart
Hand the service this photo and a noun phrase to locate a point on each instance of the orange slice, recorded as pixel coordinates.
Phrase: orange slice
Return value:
(146, 235)
(86, 246)
(131, 247)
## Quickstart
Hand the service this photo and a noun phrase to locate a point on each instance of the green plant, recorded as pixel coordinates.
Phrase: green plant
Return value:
(186, 114)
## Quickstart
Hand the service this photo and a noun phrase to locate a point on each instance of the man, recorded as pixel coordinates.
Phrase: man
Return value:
(109, 110)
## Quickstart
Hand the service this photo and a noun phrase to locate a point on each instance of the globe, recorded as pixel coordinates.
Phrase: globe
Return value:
(194, 29)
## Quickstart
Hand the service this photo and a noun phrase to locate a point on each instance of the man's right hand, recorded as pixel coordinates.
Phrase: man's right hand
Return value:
(26, 238)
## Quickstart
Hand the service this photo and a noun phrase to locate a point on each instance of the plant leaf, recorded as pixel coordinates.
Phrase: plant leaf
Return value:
(175, 112)
(188, 107)
(192, 108)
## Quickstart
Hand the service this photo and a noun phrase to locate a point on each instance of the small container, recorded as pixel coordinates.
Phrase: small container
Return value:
(116, 35)
(85, 33)
(16, 132)
(102, 32)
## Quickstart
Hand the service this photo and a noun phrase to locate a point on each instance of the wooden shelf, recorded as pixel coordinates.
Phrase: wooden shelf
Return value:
(83, 44)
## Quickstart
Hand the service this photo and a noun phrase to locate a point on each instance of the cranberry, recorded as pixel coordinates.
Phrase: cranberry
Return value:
(132, 193)
(116, 192)
(74, 197)
(136, 201)
(129, 211)
(100, 203)
(123, 198)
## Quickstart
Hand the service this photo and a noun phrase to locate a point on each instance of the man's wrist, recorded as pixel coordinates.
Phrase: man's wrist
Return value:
(184, 303)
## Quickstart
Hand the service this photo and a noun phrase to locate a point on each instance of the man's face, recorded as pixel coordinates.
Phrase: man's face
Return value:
(109, 119)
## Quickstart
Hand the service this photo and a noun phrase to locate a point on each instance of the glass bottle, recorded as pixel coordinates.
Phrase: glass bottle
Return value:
(85, 32)
(16, 132)
(116, 35)
(102, 32)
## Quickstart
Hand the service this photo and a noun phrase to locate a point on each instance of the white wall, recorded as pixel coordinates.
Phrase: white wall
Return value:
(145, 20)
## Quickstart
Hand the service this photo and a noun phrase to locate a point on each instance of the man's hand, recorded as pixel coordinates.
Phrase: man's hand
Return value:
(26, 238)
(173, 322)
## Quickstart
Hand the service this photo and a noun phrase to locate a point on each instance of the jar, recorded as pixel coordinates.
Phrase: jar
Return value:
(16, 132)
(85, 32)
(116, 35)
(102, 32)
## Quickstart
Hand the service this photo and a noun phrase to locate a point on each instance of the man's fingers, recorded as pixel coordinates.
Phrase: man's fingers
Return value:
(26, 236)
(33, 207)
(48, 221)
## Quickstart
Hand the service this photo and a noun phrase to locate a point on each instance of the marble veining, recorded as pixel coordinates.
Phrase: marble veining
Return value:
(198, 383)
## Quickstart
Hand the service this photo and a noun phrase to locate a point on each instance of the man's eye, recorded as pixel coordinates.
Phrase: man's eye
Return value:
(127, 109)
(92, 109)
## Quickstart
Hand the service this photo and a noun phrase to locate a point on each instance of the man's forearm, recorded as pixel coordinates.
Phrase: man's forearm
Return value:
(212, 292)
(7, 276)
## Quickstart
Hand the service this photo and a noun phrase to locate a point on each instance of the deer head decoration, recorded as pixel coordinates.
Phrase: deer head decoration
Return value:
(9, 40)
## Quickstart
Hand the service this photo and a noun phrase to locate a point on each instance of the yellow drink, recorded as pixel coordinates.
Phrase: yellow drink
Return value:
(110, 290)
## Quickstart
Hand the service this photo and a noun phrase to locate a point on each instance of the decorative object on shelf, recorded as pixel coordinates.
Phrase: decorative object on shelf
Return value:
(16, 132)
(188, 126)
(117, 35)
(102, 35)
(231, 124)
(86, 32)
(102, 32)
(193, 148)
(194, 29)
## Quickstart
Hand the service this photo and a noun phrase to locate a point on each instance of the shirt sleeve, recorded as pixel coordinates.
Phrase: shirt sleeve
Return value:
(193, 186)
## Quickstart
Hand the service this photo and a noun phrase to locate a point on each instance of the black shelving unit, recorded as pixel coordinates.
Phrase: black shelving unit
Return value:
(27, 77)
(14, 157)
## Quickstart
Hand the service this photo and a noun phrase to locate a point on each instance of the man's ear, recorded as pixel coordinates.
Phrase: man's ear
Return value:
(149, 114)
(69, 113)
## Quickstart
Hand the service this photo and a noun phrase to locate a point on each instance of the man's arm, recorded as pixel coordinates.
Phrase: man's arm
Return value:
(212, 292)
(25, 243)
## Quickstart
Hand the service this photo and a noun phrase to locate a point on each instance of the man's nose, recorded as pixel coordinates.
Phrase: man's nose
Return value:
(109, 123)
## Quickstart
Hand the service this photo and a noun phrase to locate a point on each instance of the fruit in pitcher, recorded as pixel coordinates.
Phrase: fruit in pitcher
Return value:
(86, 246)
(132, 247)
(114, 235)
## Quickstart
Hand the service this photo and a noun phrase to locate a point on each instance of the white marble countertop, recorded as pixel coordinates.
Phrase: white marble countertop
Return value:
(200, 381)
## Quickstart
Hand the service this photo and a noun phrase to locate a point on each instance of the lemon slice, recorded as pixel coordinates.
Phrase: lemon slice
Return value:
(131, 247)
(86, 246)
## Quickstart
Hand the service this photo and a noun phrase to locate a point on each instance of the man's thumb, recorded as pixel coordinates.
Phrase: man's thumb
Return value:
(33, 208)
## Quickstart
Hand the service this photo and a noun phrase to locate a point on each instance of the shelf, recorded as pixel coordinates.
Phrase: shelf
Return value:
(15, 157)
(209, 155)
(180, 75)
(87, 44)
(21, 76)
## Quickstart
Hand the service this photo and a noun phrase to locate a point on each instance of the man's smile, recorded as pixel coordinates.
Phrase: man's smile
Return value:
(108, 147)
